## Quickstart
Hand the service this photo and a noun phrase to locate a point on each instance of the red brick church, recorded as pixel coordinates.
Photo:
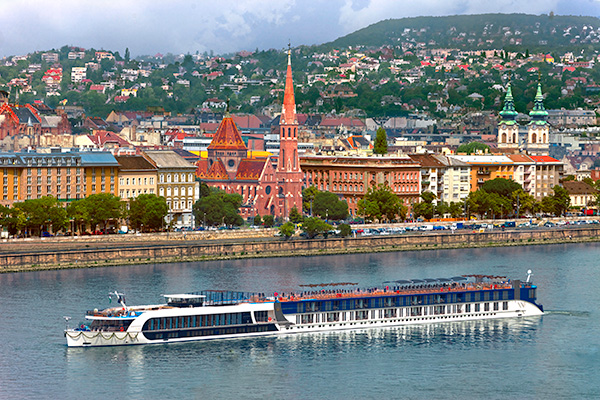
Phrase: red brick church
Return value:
(268, 185)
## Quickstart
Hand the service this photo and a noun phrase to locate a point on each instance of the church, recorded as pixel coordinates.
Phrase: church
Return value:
(538, 135)
(268, 185)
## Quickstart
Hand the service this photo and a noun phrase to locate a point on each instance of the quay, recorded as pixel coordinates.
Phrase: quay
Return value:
(97, 251)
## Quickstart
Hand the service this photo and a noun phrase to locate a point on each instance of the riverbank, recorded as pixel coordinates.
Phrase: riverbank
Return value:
(139, 250)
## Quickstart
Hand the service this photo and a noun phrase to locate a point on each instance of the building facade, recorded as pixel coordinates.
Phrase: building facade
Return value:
(177, 184)
(136, 176)
(268, 185)
(351, 177)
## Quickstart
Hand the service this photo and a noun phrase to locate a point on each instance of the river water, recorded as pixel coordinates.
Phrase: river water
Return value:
(551, 357)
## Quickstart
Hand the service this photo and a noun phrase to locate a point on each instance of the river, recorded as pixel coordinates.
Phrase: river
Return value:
(555, 356)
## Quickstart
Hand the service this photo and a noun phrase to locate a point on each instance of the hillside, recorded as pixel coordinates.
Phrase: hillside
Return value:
(485, 31)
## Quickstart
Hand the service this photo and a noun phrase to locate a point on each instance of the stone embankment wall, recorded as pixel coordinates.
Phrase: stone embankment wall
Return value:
(195, 250)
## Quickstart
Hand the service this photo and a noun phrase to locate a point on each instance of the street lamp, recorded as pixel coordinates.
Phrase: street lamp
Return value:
(327, 215)
(204, 224)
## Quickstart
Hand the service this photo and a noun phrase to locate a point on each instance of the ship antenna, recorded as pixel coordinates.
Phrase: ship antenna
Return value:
(529, 273)
(67, 319)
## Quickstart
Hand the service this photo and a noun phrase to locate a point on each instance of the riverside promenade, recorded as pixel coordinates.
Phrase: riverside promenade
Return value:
(96, 251)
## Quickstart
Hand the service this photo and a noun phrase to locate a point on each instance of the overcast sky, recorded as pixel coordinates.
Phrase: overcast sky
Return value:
(148, 27)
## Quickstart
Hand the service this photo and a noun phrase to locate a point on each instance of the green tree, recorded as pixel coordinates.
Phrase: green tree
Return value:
(268, 221)
(562, 200)
(328, 205)
(380, 146)
(381, 203)
(147, 212)
(308, 198)
(473, 147)
(102, 208)
(287, 230)
(425, 208)
(78, 213)
(43, 213)
(295, 216)
(314, 226)
(218, 208)
(257, 220)
(525, 201)
(345, 230)
(501, 186)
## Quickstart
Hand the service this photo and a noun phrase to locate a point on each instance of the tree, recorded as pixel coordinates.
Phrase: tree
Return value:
(425, 208)
(345, 230)
(257, 220)
(103, 207)
(218, 208)
(287, 230)
(381, 203)
(314, 226)
(308, 197)
(525, 201)
(501, 186)
(147, 212)
(45, 212)
(295, 216)
(268, 221)
(562, 200)
(473, 147)
(78, 213)
(380, 146)
(328, 205)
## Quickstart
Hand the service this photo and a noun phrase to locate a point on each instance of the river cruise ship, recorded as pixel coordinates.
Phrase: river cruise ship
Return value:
(215, 314)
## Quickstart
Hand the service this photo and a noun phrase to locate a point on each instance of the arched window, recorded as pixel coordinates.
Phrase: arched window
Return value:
(533, 138)
(503, 137)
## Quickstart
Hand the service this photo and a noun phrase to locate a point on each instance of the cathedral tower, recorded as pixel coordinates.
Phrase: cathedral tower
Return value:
(288, 164)
(538, 130)
(508, 128)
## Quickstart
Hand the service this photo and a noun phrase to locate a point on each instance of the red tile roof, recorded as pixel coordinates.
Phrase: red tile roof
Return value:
(250, 169)
(217, 171)
(227, 137)
(544, 159)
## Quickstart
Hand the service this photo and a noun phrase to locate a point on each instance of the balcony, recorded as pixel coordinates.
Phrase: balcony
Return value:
(483, 172)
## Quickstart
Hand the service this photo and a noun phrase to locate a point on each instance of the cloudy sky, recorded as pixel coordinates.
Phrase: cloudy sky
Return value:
(186, 26)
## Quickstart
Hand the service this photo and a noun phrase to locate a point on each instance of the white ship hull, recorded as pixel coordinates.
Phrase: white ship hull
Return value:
(293, 322)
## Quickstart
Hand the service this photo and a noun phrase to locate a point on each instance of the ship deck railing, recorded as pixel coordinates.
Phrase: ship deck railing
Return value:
(378, 292)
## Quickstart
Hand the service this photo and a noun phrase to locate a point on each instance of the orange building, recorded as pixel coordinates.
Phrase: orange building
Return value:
(351, 177)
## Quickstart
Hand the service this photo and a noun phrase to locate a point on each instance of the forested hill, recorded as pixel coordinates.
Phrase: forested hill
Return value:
(484, 31)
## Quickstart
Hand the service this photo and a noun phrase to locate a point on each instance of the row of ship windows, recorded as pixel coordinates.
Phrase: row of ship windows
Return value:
(399, 301)
(399, 312)
(195, 332)
(197, 321)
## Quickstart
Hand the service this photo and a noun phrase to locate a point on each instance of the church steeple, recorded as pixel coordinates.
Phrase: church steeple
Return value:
(538, 113)
(288, 111)
(508, 113)
(508, 129)
(538, 132)
(288, 162)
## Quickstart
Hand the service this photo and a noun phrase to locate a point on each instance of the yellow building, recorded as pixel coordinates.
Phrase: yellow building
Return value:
(487, 167)
(136, 176)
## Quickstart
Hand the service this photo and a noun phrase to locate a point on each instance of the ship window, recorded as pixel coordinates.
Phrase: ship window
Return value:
(505, 295)
(467, 297)
(477, 307)
(261, 316)
(478, 296)
(486, 307)
(495, 306)
(300, 308)
(505, 305)
(467, 308)
(496, 296)
(486, 296)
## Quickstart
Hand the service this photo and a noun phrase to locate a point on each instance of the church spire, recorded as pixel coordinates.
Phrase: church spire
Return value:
(288, 112)
(538, 113)
(508, 113)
